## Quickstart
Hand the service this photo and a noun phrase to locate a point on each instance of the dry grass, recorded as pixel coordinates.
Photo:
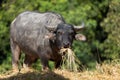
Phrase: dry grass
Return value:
(70, 61)
(104, 72)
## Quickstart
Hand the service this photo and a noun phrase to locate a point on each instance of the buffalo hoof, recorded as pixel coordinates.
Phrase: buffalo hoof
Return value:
(15, 70)
(25, 70)
(45, 69)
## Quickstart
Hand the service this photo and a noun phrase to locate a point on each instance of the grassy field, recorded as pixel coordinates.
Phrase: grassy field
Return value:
(104, 72)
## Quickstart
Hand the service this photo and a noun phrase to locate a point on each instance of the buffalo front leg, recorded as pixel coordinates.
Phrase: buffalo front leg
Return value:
(58, 62)
(45, 65)
(15, 55)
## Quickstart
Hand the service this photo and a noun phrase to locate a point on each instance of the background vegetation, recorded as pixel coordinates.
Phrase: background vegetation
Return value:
(101, 19)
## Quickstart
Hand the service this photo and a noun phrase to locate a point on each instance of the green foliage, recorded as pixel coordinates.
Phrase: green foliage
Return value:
(111, 25)
(100, 40)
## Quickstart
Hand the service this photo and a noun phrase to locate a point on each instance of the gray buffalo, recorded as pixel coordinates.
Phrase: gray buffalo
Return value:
(41, 36)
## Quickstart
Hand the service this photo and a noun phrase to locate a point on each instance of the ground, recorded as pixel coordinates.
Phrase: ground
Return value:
(104, 72)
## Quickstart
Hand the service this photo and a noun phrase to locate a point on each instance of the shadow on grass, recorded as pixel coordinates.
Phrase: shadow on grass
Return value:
(35, 76)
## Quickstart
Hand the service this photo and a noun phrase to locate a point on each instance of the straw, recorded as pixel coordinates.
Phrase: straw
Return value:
(69, 60)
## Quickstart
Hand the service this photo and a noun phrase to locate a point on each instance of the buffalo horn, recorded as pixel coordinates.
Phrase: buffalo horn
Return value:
(51, 28)
(78, 28)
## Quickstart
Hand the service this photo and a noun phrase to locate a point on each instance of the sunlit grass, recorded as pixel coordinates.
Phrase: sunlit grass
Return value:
(106, 71)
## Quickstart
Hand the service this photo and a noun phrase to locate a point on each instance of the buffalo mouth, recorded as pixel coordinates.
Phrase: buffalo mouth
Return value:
(64, 51)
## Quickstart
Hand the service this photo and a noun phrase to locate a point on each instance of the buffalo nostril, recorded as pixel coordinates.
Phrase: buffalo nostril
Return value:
(66, 45)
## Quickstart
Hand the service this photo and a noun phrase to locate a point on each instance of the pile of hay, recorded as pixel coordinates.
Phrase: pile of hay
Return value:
(69, 60)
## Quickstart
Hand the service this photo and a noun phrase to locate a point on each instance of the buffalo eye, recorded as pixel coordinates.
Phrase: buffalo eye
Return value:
(71, 33)
(60, 32)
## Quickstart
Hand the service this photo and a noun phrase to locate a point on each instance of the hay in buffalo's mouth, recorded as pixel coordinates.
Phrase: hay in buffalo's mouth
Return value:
(69, 60)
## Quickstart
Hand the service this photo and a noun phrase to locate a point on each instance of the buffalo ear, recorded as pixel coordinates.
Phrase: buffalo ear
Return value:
(80, 37)
(50, 36)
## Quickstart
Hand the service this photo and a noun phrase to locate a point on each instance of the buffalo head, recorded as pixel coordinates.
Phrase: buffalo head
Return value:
(64, 34)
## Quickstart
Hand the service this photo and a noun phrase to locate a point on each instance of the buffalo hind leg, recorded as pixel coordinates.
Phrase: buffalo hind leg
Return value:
(15, 55)
(28, 62)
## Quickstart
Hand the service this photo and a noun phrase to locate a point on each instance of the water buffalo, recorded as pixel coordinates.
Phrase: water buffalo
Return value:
(41, 35)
